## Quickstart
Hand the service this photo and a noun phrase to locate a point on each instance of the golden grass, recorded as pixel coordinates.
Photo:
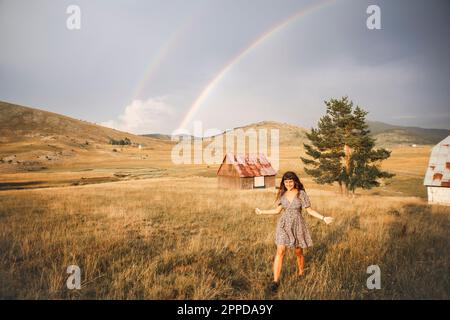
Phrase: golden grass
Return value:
(174, 235)
(182, 238)
(409, 164)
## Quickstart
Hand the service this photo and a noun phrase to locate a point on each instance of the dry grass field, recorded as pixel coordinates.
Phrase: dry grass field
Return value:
(140, 227)
(182, 238)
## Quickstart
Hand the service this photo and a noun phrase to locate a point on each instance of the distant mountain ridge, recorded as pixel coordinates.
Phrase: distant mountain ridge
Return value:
(19, 122)
(393, 134)
(157, 136)
(384, 133)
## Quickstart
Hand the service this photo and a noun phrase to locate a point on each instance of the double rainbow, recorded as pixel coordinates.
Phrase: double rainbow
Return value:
(174, 39)
(255, 43)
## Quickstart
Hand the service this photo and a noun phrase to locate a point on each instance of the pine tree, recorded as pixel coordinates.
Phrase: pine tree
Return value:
(342, 150)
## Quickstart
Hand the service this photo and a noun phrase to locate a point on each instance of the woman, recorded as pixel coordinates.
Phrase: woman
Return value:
(292, 230)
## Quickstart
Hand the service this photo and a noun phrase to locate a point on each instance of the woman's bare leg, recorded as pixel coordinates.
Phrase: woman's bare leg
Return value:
(300, 260)
(278, 262)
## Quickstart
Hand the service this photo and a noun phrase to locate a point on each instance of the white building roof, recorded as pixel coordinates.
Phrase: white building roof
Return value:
(438, 172)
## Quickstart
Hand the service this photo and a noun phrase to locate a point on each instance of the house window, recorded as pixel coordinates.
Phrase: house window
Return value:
(258, 182)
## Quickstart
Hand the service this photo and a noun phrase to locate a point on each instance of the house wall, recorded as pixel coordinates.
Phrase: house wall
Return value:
(228, 170)
(228, 182)
(439, 195)
(246, 182)
(269, 181)
(228, 177)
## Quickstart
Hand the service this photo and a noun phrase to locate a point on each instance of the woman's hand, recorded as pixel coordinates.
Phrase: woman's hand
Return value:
(317, 215)
(328, 220)
(257, 211)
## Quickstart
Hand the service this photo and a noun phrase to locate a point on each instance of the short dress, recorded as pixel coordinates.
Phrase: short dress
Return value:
(292, 230)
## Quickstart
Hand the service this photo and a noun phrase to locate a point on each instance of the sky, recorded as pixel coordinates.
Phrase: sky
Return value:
(157, 66)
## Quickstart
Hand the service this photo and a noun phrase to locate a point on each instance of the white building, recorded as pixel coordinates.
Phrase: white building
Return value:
(437, 177)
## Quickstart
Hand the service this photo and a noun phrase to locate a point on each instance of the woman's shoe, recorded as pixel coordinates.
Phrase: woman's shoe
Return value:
(273, 287)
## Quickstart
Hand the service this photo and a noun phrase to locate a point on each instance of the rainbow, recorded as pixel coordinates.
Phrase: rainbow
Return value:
(260, 39)
(163, 52)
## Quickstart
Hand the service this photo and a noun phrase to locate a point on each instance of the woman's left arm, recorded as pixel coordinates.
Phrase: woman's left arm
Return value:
(317, 215)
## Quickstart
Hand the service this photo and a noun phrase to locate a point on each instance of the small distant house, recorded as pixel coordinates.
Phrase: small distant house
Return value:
(437, 177)
(246, 172)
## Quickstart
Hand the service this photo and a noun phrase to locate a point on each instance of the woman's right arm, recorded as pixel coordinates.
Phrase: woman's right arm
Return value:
(271, 211)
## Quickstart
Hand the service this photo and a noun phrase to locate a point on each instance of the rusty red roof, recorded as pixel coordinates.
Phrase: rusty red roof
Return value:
(250, 165)
(438, 172)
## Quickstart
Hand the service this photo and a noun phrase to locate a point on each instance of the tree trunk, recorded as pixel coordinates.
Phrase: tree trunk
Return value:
(345, 190)
(348, 153)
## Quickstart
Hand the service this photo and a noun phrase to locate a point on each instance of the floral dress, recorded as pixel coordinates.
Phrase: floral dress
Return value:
(292, 230)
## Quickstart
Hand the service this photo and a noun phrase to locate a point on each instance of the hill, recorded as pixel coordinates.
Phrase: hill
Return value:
(47, 146)
(158, 136)
(19, 123)
(386, 135)
(33, 140)
(288, 133)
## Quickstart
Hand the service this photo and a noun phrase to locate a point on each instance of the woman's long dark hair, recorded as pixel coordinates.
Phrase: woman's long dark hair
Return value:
(289, 175)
